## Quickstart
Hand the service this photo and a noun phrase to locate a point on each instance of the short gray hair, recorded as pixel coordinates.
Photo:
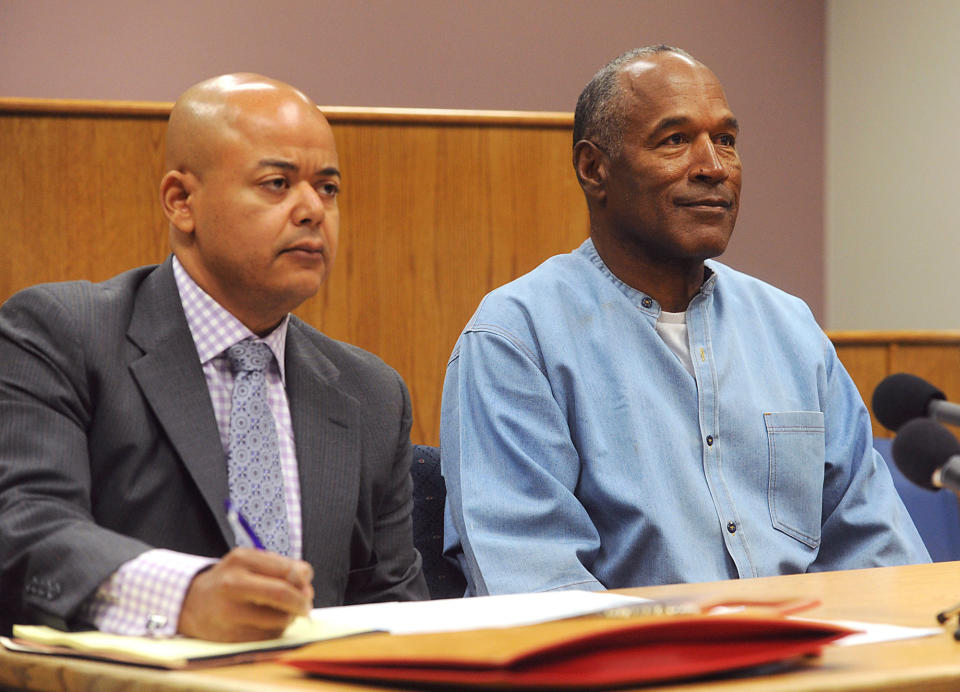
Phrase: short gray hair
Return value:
(601, 113)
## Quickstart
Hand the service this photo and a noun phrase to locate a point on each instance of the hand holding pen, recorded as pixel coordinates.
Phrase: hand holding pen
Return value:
(246, 537)
(249, 594)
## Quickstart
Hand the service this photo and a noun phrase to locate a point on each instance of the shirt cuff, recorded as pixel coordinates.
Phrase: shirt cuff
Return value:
(144, 596)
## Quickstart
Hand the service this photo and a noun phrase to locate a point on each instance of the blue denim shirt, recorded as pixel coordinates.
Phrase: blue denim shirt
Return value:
(578, 451)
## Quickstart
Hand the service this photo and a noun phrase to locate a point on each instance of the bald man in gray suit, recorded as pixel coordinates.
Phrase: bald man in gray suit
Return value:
(112, 443)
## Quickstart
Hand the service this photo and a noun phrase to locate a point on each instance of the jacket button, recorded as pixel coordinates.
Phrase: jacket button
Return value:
(709, 440)
(647, 302)
(731, 527)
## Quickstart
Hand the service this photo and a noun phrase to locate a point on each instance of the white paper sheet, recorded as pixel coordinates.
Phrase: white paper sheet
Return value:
(526, 609)
(873, 632)
(472, 613)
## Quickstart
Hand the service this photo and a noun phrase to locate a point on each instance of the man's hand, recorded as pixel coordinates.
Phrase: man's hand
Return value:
(249, 594)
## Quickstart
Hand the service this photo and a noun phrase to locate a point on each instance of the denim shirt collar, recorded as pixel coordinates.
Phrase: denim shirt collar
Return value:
(638, 298)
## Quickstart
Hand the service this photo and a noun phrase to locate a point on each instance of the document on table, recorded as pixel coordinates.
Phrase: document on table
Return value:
(479, 612)
(324, 623)
(168, 652)
(514, 610)
(874, 632)
(398, 618)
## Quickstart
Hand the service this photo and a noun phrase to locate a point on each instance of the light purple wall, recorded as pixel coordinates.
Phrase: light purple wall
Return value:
(488, 54)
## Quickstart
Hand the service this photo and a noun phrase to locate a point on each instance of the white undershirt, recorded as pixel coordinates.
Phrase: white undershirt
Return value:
(672, 328)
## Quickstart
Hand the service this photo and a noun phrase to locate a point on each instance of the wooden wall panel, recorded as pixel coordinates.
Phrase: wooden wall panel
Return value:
(434, 217)
(867, 365)
(437, 209)
(80, 197)
(871, 356)
(936, 363)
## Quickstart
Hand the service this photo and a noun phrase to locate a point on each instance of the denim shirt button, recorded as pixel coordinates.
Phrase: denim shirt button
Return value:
(709, 440)
(731, 527)
(647, 302)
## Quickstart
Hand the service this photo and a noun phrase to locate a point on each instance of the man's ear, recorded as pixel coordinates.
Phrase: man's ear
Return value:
(175, 191)
(591, 163)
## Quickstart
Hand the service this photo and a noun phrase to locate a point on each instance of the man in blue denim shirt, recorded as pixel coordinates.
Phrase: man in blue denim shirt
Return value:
(633, 413)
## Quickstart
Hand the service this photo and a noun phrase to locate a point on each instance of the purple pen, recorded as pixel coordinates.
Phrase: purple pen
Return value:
(243, 533)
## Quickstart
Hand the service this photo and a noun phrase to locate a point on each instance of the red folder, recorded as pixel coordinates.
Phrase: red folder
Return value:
(590, 651)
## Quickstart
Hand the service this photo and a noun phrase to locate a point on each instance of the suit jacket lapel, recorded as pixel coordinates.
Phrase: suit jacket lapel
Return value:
(326, 431)
(172, 380)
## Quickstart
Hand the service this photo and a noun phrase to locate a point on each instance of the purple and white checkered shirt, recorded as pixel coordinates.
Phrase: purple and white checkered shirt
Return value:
(145, 595)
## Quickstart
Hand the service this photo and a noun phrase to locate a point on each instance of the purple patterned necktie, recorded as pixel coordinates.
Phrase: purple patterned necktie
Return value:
(253, 459)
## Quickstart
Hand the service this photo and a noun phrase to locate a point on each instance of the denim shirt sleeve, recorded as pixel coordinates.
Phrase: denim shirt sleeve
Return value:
(511, 473)
(865, 524)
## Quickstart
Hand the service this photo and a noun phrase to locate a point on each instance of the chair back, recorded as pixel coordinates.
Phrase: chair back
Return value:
(936, 514)
(429, 493)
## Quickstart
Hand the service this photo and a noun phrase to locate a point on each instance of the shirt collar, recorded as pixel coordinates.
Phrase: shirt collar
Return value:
(589, 251)
(214, 328)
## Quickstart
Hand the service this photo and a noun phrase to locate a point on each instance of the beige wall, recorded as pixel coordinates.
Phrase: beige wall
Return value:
(893, 164)
(488, 54)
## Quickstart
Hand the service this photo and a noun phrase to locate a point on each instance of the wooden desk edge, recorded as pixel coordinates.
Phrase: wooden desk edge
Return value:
(907, 595)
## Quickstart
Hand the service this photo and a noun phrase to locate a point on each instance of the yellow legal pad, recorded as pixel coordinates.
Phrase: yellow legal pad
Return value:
(173, 652)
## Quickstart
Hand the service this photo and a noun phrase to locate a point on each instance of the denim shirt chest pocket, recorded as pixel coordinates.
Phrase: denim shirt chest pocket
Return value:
(796, 443)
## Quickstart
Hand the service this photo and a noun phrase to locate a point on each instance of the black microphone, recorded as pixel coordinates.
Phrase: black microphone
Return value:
(902, 397)
(928, 455)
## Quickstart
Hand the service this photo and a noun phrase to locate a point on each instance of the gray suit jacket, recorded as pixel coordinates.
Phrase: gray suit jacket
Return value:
(109, 447)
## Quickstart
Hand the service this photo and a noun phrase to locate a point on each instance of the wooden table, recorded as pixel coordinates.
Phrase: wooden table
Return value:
(898, 595)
